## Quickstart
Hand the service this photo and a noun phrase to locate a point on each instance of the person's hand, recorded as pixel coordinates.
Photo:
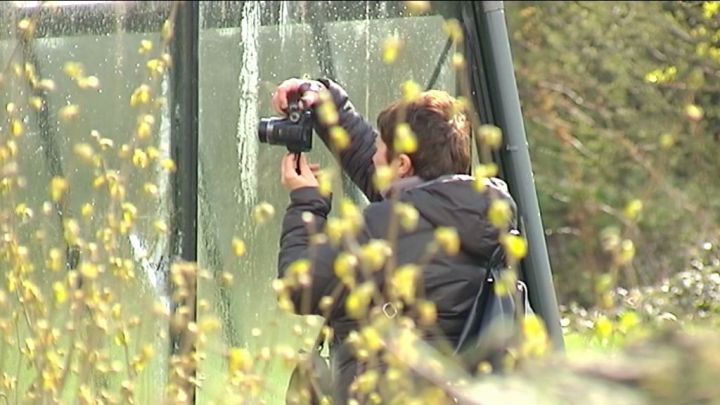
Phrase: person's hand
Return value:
(315, 169)
(310, 97)
(291, 179)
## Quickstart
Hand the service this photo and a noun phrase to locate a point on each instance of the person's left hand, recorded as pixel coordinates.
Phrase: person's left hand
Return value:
(291, 179)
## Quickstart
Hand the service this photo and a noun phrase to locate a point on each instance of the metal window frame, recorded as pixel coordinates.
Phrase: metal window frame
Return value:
(184, 138)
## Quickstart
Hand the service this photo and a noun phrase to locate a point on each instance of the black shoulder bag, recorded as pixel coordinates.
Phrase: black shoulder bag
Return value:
(492, 325)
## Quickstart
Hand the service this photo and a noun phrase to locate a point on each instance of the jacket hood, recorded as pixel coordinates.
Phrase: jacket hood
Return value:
(453, 201)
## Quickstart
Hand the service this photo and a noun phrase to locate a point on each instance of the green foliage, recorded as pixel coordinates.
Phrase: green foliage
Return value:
(687, 300)
(619, 100)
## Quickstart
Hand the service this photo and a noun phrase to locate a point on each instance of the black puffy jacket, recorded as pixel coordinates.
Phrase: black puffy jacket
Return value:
(451, 282)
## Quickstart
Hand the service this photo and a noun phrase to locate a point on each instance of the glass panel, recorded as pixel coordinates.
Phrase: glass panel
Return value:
(246, 49)
(84, 201)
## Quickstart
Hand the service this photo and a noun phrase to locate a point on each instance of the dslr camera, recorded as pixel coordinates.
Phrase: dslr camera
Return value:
(294, 132)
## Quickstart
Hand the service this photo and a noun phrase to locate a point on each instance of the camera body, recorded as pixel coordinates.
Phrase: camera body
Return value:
(294, 132)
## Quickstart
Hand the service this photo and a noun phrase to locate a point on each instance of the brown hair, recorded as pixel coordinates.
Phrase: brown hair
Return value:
(442, 128)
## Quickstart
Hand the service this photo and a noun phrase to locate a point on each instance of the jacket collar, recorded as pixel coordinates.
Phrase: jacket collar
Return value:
(407, 183)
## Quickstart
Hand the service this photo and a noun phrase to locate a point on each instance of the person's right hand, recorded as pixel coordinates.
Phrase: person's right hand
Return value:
(291, 179)
(309, 98)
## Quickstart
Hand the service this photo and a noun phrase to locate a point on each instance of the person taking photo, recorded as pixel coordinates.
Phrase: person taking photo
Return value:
(434, 179)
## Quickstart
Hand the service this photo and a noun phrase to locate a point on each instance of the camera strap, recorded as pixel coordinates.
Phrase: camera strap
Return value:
(297, 163)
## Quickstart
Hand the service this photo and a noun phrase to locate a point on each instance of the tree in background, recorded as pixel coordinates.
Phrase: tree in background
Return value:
(620, 102)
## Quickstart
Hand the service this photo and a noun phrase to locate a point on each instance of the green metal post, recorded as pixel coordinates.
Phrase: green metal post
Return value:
(515, 159)
(184, 79)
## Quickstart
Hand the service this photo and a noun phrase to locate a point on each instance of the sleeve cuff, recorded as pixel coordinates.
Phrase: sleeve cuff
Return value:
(339, 95)
(310, 196)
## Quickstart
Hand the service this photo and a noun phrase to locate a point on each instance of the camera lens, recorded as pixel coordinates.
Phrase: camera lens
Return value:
(263, 129)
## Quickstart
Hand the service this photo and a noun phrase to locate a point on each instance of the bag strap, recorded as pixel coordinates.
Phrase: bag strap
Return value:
(496, 261)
